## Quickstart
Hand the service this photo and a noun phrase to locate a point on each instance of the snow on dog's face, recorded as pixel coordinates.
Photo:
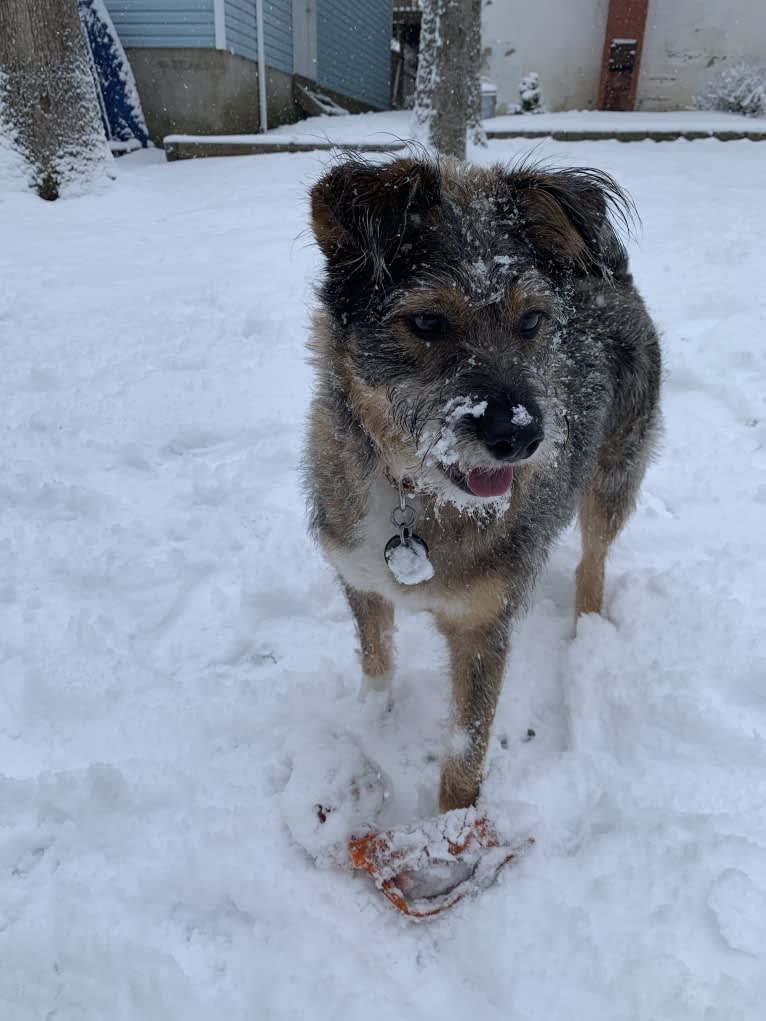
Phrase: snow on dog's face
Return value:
(447, 288)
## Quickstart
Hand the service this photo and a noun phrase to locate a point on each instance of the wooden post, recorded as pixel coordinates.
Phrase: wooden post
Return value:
(621, 59)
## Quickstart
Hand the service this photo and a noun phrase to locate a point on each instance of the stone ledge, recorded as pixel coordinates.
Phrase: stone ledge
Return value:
(586, 135)
(190, 148)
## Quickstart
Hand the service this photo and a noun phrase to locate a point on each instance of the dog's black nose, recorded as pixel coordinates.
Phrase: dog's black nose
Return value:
(509, 433)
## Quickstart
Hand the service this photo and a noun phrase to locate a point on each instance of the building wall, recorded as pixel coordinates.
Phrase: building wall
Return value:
(183, 23)
(686, 41)
(188, 86)
(560, 39)
(241, 31)
(278, 30)
(206, 92)
(353, 48)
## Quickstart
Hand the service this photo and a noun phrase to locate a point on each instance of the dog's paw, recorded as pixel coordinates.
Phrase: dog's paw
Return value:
(379, 687)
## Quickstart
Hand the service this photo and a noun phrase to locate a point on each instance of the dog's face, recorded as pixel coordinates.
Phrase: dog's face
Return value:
(448, 287)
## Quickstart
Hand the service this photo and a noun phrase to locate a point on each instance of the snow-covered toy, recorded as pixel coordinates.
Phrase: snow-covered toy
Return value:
(335, 805)
(426, 868)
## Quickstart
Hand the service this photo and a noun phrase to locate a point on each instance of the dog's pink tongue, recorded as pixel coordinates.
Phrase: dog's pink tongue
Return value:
(487, 483)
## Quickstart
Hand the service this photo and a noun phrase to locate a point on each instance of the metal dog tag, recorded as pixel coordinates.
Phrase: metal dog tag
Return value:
(407, 559)
(406, 553)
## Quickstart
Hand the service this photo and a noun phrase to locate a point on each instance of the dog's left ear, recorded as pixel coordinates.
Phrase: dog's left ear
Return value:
(360, 211)
(571, 215)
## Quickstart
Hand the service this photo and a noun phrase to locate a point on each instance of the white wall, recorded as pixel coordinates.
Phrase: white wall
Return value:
(560, 39)
(686, 41)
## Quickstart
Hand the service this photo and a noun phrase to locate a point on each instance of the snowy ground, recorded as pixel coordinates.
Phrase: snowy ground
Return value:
(608, 121)
(172, 646)
(395, 125)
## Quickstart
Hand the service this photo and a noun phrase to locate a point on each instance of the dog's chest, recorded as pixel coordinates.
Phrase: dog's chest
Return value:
(364, 565)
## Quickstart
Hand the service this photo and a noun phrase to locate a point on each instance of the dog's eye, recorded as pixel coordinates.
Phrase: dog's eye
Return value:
(427, 325)
(530, 323)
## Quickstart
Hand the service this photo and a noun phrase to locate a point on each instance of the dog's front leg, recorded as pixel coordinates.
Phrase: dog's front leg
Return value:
(374, 617)
(477, 657)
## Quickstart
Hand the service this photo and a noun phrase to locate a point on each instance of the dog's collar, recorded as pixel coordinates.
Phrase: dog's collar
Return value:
(404, 485)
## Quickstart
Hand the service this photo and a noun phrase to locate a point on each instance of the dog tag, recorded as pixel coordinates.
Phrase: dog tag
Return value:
(408, 560)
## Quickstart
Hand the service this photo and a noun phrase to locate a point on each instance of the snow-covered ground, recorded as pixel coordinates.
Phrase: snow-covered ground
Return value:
(174, 649)
(395, 125)
(609, 121)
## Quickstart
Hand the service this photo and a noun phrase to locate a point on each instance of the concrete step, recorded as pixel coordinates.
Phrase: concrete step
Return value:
(189, 147)
(621, 135)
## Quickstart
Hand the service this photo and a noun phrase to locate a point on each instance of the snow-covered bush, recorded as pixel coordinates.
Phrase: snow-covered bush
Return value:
(740, 88)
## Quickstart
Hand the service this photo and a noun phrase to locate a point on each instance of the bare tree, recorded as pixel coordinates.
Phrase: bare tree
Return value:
(48, 96)
(448, 94)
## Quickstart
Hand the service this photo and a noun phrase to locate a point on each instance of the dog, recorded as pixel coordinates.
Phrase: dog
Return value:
(486, 370)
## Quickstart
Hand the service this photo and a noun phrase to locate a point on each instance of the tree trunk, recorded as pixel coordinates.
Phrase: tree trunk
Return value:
(473, 76)
(48, 94)
(450, 90)
(449, 52)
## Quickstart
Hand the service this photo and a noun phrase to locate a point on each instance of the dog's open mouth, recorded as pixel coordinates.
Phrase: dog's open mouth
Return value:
(484, 482)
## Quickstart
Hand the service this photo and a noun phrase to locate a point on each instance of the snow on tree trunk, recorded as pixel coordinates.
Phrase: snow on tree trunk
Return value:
(450, 93)
(48, 97)
(447, 62)
(14, 171)
(475, 126)
(424, 80)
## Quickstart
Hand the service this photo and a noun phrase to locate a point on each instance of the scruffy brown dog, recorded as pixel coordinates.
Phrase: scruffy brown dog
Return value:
(486, 369)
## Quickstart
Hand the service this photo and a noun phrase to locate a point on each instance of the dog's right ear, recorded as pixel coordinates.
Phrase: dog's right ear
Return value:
(362, 210)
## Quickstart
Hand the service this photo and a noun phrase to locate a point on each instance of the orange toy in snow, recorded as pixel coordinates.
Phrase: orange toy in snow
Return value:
(427, 868)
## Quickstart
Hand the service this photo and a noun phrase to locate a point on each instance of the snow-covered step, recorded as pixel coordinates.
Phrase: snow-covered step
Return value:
(187, 147)
(593, 125)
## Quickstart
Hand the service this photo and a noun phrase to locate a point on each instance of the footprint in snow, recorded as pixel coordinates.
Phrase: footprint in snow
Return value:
(739, 909)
